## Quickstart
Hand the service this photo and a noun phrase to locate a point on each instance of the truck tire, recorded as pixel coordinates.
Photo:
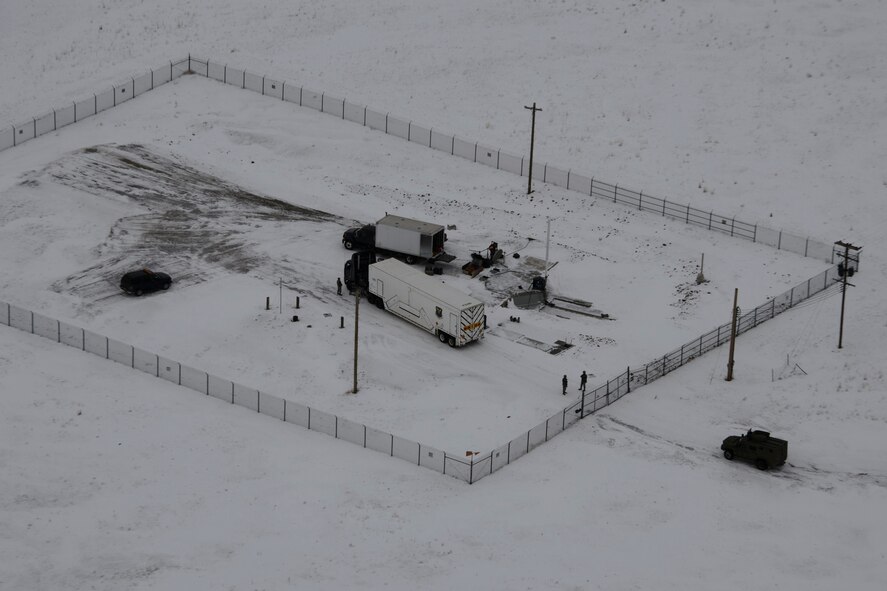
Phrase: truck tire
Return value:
(761, 464)
(728, 454)
(442, 336)
(348, 244)
(410, 259)
(451, 342)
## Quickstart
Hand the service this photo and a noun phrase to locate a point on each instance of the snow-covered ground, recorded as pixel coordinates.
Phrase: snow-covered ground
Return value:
(772, 112)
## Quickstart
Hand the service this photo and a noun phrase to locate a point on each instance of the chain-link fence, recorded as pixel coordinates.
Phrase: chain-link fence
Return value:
(278, 88)
(78, 110)
(474, 467)
(501, 160)
(231, 392)
(615, 388)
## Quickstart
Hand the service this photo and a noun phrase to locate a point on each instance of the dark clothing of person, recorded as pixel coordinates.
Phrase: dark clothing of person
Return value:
(338, 286)
(564, 382)
(583, 379)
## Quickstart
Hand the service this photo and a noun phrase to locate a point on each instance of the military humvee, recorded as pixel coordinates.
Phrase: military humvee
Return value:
(757, 446)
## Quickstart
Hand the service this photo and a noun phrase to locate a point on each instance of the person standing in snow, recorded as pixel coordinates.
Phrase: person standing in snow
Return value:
(564, 382)
(583, 379)
(338, 286)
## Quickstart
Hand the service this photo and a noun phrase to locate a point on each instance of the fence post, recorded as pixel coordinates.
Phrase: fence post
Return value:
(732, 225)
(471, 471)
(718, 338)
(640, 200)
(779, 241)
(608, 393)
(709, 219)
(688, 213)
(591, 188)
(754, 236)
(582, 408)
(806, 245)
(772, 307)
(791, 298)
(628, 379)
(568, 179)
(664, 201)
(682, 355)
(615, 187)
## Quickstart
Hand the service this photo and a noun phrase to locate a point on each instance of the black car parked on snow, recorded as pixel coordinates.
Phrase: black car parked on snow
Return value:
(144, 281)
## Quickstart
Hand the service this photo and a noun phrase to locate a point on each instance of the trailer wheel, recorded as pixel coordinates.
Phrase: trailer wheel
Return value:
(442, 336)
(380, 303)
(451, 342)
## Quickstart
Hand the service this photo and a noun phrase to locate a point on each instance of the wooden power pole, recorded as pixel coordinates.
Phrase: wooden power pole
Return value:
(733, 335)
(356, 318)
(532, 142)
(847, 271)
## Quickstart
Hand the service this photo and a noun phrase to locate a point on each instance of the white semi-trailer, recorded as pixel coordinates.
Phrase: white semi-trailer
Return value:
(454, 317)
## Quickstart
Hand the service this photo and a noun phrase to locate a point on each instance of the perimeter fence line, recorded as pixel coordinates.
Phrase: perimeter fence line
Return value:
(410, 131)
(632, 379)
(480, 465)
(470, 471)
(228, 391)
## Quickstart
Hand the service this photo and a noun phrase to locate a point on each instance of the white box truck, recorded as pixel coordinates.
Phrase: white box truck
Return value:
(406, 238)
(454, 317)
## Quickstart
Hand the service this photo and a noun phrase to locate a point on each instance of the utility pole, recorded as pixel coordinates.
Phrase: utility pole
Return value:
(733, 335)
(847, 271)
(356, 318)
(532, 141)
(547, 241)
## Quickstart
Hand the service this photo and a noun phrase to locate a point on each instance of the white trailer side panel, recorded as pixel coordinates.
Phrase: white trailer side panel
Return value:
(406, 235)
(401, 240)
(426, 302)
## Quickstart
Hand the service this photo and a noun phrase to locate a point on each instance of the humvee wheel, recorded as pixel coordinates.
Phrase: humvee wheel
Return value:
(138, 293)
(728, 454)
(349, 245)
(410, 259)
(761, 464)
